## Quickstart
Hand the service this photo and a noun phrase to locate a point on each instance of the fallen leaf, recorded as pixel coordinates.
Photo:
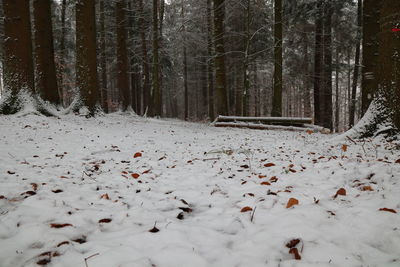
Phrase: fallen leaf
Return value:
(56, 191)
(292, 243)
(367, 188)
(292, 202)
(60, 225)
(137, 155)
(106, 220)
(273, 179)
(34, 186)
(185, 209)
(269, 165)
(247, 208)
(10, 172)
(80, 240)
(135, 175)
(43, 262)
(154, 230)
(340, 192)
(388, 210)
(244, 166)
(262, 176)
(265, 183)
(397, 161)
(63, 243)
(105, 196)
(296, 253)
(344, 147)
(180, 216)
(309, 131)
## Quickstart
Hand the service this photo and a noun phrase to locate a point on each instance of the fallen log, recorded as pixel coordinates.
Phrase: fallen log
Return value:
(284, 121)
(309, 128)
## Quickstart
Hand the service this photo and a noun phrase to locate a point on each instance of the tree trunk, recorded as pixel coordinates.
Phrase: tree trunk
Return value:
(389, 59)
(210, 65)
(122, 54)
(103, 59)
(145, 59)
(277, 98)
(86, 62)
(156, 63)
(318, 74)
(356, 68)
(337, 107)
(62, 68)
(220, 68)
(306, 77)
(370, 51)
(246, 79)
(18, 65)
(46, 77)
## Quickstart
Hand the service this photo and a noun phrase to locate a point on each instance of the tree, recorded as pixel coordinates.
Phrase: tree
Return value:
(318, 74)
(326, 102)
(122, 54)
(18, 63)
(157, 108)
(46, 78)
(185, 67)
(370, 51)
(277, 97)
(103, 59)
(389, 60)
(220, 68)
(210, 65)
(86, 58)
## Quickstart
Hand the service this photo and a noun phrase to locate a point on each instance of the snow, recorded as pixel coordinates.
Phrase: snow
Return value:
(83, 172)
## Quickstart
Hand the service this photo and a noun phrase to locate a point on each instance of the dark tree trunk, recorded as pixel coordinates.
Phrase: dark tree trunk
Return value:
(18, 65)
(370, 51)
(356, 68)
(61, 68)
(46, 77)
(327, 111)
(156, 63)
(277, 98)
(103, 59)
(318, 74)
(246, 79)
(122, 54)
(306, 77)
(86, 62)
(210, 65)
(220, 68)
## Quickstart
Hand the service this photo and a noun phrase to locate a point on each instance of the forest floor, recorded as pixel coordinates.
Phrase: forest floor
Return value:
(125, 191)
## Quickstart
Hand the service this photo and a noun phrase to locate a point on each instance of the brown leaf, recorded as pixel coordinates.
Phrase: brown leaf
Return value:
(137, 155)
(63, 243)
(344, 147)
(309, 131)
(80, 240)
(292, 243)
(340, 192)
(367, 188)
(296, 253)
(60, 225)
(244, 166)
(146, 171)
(292, 170)
(262, 176)
(247, 208)
(273, 179)
(10, 172)
(269, 165)
(185, 209)
(34, 186)
(180, 216)
(292, 201)
(265, 183)
(397, 161)
(43, 262)
(154, 230)
(388, 210)
(56, 191)
(135, 175)
(106, 220)
(105, 196)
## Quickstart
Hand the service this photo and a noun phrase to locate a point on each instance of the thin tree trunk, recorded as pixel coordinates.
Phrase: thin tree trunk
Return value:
(246, 80)
(337, 107)
(103, 59)
(185, 67)
(356, 68)
(318, 74)
(327, 111)
(156, 63)
(220, 67)
(306, 79)
(210, 65)
(61, 68)
(277, 98)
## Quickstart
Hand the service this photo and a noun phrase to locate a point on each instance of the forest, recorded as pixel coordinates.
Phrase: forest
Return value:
(166, 133)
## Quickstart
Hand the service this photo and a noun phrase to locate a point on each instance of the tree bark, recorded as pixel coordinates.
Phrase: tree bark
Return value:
(46, 77)
(210, 65)
(356, 68)
(18, 63)
(277, 98)
(122, 54)
(86, 58)
(370, 51)
(220, 68)
(327, 111)
(318, 74)
(156, 63)
(103, 59)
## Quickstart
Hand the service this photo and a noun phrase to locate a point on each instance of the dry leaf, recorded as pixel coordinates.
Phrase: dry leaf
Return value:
(273, 179)
(292, 202)
(344, 147)
(309, 132)
(105, 196)
(262, 176)
(340, 192)
(43, 262)
(106, 220)
(296, 253)
(292, 243)
(185, 209)
(269, 165)
(60, 225)
(137, 155)
(63, 243)
(367, 188)
(135, 175)
(245, 209)
(34, 186)
(154, 230)
(388, 210)
(265, 183)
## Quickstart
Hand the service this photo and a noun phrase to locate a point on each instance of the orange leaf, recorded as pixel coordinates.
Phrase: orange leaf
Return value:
(273, 179)
(309, 132)
(247, 208)
(269, 164)
(292, 202)
(135, 175)
(137, 155)
(106, 220)
(367, 188)
(265, 183)
(60, 225)
(261, 176)
(340, 192)
(124, 172)
(296, 253)
(388, 210)
(344, 147)
(105, 196)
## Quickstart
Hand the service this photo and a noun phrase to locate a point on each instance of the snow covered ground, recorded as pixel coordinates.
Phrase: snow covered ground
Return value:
(125, 191)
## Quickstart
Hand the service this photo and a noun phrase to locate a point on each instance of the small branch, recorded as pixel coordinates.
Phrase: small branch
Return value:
(94, 255)
(354, 142)
(252, 215)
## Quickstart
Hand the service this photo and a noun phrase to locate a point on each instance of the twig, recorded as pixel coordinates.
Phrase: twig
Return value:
(211, 159)
(252, 215)
(348, 137)
(94, 255)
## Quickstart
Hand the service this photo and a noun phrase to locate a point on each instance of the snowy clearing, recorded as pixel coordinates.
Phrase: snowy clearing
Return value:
(76, 191)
